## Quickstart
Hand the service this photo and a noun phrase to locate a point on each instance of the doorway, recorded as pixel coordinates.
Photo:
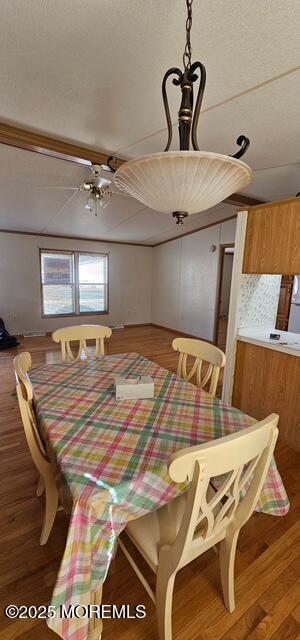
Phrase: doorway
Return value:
(223, 297)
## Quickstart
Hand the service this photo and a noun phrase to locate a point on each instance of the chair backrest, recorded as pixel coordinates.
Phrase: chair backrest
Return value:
(202, 352)
(236, 467)
(22, 364)
(81, 334)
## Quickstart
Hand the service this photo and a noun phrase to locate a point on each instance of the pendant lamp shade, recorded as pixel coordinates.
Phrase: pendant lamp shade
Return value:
(184, 182)
(189, 181)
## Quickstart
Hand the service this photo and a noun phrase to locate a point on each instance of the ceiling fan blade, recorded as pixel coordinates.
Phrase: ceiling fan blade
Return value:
(70, 198)
(56, 188)
(277, 166)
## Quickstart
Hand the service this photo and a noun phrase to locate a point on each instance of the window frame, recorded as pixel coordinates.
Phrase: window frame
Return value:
(75, 284)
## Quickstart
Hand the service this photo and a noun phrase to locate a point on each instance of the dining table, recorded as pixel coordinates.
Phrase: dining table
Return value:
(110, 461)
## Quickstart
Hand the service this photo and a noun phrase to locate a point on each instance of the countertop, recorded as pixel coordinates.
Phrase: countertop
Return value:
(288, 343)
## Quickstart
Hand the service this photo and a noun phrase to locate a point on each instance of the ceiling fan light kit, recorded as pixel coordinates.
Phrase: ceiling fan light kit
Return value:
(99, 191)
(186, 181)
(99, 198)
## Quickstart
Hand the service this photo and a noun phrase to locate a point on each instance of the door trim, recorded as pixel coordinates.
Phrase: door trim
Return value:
(219, 286)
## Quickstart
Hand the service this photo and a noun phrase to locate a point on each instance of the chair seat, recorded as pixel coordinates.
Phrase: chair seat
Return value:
(158, 528)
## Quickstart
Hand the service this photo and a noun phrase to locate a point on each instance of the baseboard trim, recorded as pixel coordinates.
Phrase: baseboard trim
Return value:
(145, 324)
(126, 326)
(138, 324)
(180, 333)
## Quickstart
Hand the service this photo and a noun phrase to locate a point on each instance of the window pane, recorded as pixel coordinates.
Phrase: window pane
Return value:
(58, 299)
(92, 269)
(92, 297)
(57, 268)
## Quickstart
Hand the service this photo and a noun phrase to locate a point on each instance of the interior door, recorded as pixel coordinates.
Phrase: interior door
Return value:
(284, 303)
(223, 298)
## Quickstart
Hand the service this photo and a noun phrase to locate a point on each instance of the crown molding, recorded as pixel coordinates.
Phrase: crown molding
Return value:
(189, 233)
(82, 239)
(242, 200)
(275, 203)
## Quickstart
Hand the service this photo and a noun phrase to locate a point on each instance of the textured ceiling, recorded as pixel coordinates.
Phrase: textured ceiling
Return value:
(26, 207)
(91, 72)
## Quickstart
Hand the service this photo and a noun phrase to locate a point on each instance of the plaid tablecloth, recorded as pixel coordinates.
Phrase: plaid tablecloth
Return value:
(110, 459)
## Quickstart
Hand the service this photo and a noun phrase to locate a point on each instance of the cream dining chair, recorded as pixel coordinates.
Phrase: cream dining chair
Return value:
(81, 334)
(22, 364)
(204, 516)
(201, 351)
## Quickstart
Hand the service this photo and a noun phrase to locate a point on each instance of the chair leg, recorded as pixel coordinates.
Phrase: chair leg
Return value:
(95, 624)
(41, 487)
(227, 560)
(164, 600)
(51, 502)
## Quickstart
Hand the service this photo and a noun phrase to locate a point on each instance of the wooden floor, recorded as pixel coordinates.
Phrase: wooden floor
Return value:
(268, 557)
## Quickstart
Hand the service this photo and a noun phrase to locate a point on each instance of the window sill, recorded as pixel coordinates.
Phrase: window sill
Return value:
(75, 315)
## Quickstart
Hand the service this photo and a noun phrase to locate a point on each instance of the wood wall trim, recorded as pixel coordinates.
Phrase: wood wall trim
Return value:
(126, 326)
(222, 248)
(58, 237)
(134, 244)
(36, 142)
(275, 203)
(56, 148)
(142, 324)
(180, 333)
(135, 324)
(188, 233)
(236, 199)
(242, 200)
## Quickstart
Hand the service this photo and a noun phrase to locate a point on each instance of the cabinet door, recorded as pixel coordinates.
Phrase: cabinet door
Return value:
(267, 381)
(273, 238)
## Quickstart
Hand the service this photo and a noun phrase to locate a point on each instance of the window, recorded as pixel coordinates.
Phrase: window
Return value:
(74, 283)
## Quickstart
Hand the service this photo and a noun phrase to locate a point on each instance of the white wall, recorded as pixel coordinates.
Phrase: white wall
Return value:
(130, 276)
(183, 280)
(184, 283)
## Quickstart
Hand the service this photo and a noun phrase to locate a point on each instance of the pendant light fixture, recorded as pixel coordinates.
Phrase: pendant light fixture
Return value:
(185, 181)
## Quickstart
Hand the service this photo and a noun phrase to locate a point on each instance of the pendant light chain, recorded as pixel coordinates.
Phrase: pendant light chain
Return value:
(187, 56)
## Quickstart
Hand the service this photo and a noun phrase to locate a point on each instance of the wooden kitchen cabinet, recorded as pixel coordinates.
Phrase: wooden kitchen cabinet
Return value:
(267, 381)
(272, 242)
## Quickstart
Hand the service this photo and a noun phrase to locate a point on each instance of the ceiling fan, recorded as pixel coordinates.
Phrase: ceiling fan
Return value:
(98, 188)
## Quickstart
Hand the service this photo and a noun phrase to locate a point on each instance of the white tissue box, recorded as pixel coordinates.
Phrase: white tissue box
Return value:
(134, 388)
